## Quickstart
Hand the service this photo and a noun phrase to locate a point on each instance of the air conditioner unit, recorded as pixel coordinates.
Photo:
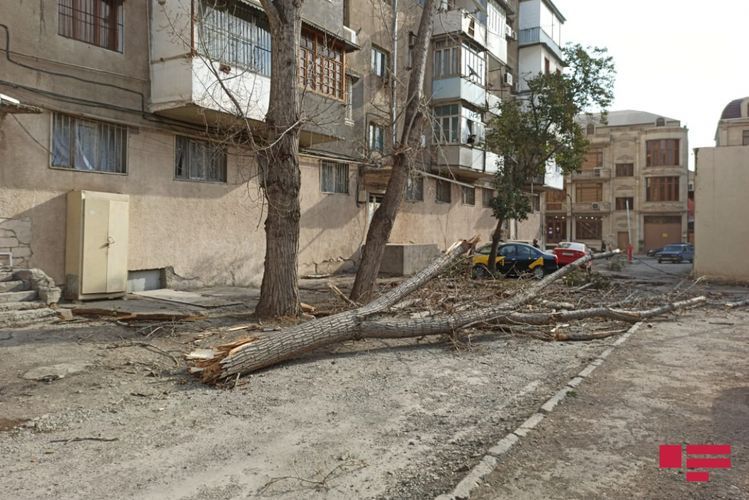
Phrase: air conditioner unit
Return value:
(596, 172)
(595, 206)
(509, 32)
(508, 79)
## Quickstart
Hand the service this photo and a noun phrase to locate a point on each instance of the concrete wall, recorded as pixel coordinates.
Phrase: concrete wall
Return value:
(721, 213)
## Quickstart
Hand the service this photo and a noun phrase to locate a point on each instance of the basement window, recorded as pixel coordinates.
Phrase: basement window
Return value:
(334, 177)
(199, 160)
(87, 145)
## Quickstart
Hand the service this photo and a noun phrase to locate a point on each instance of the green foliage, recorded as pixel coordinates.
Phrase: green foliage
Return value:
(540, 126)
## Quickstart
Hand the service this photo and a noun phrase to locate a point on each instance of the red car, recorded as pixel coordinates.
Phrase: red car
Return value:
(569, 251)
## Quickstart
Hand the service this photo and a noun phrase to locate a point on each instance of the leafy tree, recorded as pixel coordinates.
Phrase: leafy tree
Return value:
(540, 126)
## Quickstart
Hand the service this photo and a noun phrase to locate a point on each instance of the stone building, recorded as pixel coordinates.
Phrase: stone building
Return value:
(632, 185)
(133, 98)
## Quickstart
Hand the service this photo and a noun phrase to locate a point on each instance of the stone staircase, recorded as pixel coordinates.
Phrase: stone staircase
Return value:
(21, 302)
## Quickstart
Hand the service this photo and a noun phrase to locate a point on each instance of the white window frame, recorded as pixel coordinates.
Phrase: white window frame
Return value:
(447, 129)
(376, 137)
(379, 61)
(349, 101)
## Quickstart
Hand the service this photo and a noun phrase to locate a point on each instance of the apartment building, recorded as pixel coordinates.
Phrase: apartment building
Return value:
(132, 98)
(721, 232)
(632, 186)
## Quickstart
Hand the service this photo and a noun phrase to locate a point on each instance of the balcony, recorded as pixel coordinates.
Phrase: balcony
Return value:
(595, 173)
(460, 21)
(459, 88)
(472, 161)
(591, 207)
(532, 36)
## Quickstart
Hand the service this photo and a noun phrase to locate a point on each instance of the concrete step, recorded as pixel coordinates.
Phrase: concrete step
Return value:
(27, 317)
(21, 306)
(18, 296)
(6, 276)
(13, 286)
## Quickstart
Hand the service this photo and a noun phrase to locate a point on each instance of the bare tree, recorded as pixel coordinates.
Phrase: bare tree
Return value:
(279, 164)
(413, 121)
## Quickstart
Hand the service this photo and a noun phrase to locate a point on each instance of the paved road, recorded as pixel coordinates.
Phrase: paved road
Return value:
(672, 382)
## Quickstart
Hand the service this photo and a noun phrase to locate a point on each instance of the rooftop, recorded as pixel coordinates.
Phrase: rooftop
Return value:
(627, 117)
(733, 109)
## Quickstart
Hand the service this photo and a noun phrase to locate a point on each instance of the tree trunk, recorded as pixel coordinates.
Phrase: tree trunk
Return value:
(265, 350)
(496, 237)
(279, 165)
(384, 218)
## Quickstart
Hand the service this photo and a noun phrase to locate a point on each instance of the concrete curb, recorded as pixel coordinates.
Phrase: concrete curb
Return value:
(476, 476)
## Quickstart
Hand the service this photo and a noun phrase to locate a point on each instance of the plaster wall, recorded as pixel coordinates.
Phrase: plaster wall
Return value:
(721, 231)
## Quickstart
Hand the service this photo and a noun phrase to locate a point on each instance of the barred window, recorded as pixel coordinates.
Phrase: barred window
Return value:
(443, 191)
(663, 152)
(469, 195)
(662, 188)
(334, 177)
(88, 145)
(415, 189)
(199, 160)
(321, 64)
(98, 22)
(235, 34)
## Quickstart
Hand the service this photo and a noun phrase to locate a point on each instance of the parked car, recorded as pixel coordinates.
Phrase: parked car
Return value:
(653, 252)
(676, 253)
(515, 259)
(568, 252)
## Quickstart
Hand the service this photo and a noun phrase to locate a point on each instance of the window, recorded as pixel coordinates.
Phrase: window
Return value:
(321, 64)
(662, 188)
(88, 145)
(235, 35)
(446, 57)
(588, 193)
(334, 177)
(547, 65)
(98, 22)
(590, 129)
(660, 122)
(588, 228)
(593, 159)
(379, 62)
(663, 152)
(447, 124)
(625, 169)
(469, 195)
(415, 189)
(376, 138)
(745, 138)
(623, 203)
(443, 191)
(487, 195)
(200, 160)
(349, 99)
(535, 202)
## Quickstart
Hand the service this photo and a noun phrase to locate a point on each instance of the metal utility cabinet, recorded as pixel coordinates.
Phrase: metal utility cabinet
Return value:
(96, 245)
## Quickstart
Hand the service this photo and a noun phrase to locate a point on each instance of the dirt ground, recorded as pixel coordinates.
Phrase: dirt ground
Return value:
(683, 382)
(368, 419)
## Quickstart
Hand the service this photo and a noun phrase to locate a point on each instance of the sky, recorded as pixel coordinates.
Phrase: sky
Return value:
(682, 59)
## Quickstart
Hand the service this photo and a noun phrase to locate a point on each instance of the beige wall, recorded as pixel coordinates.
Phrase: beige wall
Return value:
(721, 213)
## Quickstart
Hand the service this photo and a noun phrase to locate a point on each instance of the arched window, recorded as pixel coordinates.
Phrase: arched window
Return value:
(660, 122)
(591, 129)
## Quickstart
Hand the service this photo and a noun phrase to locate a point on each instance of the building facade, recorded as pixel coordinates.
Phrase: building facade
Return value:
(142, 99)
(632, 187)
(721, 232)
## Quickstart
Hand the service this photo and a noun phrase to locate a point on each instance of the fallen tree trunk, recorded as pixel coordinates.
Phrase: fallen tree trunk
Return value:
(253, 353)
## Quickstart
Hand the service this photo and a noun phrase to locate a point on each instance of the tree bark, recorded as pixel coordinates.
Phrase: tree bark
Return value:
(384, 218)
(279, 165)
(261, 351)
(496, 237)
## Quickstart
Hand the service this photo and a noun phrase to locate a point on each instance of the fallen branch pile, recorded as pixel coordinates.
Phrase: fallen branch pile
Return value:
(259, 351)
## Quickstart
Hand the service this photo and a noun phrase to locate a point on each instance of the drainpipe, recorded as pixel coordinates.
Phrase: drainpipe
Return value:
(393, 75)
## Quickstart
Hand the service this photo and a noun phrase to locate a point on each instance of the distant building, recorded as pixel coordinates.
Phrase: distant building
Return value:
(636, 165)
(721, 180)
